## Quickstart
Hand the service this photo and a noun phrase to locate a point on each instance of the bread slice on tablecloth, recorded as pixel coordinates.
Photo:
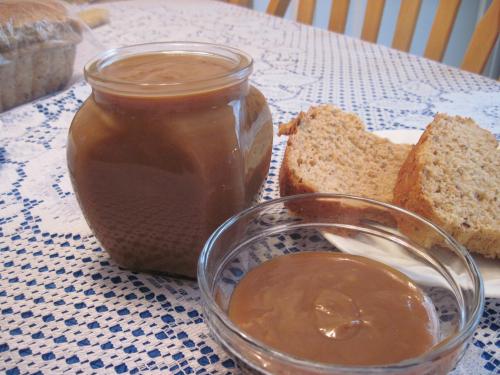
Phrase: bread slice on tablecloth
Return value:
(330, 151)
(452, 177)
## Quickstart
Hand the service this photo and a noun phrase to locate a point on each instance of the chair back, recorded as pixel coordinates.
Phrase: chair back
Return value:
(478, 50)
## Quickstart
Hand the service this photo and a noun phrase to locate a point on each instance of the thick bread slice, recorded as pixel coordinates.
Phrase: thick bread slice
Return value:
(330, 151)
(452, 177)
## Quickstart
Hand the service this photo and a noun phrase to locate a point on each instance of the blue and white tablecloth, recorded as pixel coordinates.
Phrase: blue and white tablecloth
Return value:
(66, 307)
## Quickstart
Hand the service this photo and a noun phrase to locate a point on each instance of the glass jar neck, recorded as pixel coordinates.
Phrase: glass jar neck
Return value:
(216, 97)
(162, 85)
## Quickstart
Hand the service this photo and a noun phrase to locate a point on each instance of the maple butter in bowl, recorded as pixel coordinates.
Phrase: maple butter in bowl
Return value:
(327, 284)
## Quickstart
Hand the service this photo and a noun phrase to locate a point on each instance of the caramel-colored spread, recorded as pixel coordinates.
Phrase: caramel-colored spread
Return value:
(156, 174)
(334, 308)
(167, 68)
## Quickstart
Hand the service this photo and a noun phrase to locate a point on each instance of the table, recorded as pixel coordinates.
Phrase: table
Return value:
(66, 307)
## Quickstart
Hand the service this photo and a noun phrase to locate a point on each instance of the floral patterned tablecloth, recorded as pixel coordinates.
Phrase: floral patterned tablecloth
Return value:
(66, 307)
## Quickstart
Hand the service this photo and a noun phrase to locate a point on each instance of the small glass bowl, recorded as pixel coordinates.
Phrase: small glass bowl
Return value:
(441, 267)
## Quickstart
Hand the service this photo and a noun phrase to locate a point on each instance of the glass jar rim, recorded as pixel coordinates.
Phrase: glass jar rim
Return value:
(239, 72)
(433, 354)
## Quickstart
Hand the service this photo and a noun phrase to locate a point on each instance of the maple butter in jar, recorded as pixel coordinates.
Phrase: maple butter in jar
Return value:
(172, 141)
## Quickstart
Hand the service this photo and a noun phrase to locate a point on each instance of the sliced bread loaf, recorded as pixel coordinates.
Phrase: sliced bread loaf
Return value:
(330, 151)
(452, 177)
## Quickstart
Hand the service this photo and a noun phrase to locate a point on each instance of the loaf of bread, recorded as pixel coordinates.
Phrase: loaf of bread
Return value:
(330, 151)
(452, 177)
(37, 49)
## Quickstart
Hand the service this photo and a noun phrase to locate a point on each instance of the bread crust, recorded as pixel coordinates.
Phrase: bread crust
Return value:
(27, 22)
(408, 192)
(290, 183)
(25, 12)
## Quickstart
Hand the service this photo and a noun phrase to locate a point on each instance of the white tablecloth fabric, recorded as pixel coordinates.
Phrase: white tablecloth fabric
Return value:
(66, 307)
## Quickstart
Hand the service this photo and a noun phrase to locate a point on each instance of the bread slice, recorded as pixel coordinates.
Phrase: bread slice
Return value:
(452, 177)
(330, 151)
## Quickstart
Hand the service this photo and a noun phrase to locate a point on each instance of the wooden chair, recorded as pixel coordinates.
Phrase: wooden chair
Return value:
(479, 48)
(245, 3)
(483, 40)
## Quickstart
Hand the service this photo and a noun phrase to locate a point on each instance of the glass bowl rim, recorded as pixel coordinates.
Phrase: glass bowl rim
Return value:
(430, 356)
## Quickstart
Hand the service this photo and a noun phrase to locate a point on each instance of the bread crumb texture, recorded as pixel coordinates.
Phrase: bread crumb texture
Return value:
(452, 177)
(330, 151)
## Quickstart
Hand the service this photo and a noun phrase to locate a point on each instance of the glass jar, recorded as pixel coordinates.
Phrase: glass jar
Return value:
(172, 141)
